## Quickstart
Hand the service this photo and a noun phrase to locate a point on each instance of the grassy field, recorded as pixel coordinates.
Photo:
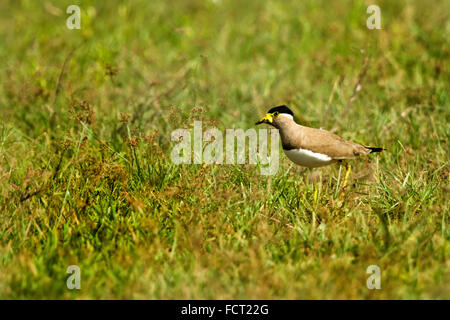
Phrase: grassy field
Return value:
(86, 176)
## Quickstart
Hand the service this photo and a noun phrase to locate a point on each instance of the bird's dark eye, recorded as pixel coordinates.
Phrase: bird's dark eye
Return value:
(276, 113)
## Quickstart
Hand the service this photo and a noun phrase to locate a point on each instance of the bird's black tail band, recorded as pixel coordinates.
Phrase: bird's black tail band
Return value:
(372, 149)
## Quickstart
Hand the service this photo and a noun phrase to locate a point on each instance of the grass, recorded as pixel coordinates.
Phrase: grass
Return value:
(86, 175)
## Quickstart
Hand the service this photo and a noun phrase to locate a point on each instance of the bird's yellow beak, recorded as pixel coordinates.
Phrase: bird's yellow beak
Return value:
(267, 119)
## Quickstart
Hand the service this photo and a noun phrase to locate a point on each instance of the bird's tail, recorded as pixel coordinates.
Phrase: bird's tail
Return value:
(372, 149)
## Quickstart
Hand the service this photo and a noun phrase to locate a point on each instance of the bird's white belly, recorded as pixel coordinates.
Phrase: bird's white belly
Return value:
(307, 158)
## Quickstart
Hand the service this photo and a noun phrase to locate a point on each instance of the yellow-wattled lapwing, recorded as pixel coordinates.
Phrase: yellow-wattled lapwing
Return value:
(310, 147)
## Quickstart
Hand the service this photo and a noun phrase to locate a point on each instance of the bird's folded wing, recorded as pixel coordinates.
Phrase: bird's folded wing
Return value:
(325, 142)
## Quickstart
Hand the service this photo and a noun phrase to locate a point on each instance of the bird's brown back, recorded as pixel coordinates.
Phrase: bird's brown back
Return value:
(294, 136)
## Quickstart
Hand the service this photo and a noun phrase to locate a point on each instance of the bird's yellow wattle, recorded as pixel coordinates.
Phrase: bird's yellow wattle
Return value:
(267, 119)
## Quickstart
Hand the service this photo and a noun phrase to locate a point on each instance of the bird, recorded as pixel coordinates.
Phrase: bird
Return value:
(311, 147)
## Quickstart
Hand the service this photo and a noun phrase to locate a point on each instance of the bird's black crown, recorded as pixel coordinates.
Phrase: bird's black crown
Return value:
(281, 109)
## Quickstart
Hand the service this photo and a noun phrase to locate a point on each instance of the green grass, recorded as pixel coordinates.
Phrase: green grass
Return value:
(85, 170)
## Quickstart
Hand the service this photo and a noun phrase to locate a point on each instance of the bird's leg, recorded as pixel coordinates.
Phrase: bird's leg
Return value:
(316, 192)
(344, 185)
(347, 174)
